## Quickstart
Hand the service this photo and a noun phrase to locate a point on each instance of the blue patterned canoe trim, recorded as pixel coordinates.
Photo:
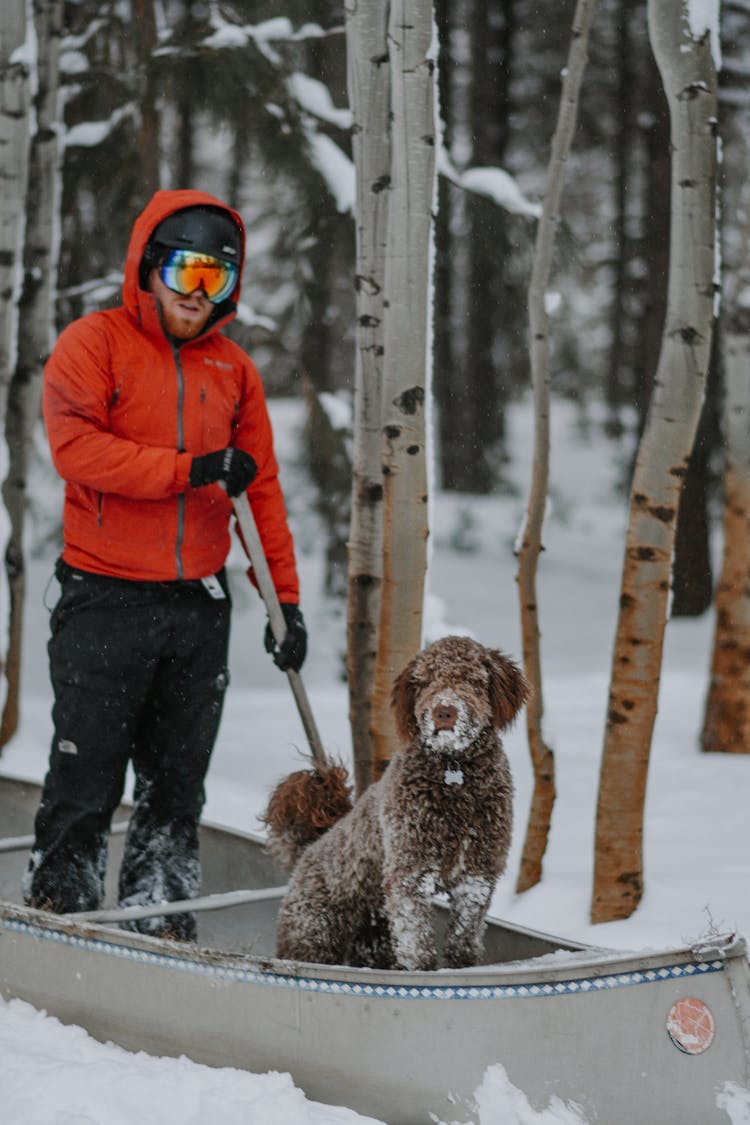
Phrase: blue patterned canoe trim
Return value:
(525, 991)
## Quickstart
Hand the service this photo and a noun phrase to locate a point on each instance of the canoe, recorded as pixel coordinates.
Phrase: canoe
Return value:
(626, 1036)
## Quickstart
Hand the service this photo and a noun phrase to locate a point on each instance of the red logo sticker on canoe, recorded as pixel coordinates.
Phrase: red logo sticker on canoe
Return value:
(691, 1026)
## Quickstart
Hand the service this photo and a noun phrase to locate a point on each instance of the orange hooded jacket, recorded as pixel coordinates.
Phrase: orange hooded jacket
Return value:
(126, 411)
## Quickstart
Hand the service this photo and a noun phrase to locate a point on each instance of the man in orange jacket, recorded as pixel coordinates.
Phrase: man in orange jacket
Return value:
(155, 420)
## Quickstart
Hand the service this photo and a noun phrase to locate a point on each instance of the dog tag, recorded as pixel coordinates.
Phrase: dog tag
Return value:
(214, 587)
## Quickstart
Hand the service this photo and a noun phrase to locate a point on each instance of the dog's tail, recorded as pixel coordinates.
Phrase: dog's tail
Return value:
(302, 807)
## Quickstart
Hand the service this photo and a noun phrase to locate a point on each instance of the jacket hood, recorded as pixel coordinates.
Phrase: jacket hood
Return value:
(161, 205)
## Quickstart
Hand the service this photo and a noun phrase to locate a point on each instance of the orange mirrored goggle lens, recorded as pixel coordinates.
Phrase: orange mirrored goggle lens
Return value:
(184, 271)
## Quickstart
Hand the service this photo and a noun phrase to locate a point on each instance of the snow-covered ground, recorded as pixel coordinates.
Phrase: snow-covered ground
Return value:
(697, 835)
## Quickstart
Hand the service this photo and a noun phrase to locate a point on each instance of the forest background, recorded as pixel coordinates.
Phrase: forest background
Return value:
(156, 95)
(252, 106)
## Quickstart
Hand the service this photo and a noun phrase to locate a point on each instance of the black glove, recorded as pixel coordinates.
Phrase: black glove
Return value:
(292, 652)
(235, 468)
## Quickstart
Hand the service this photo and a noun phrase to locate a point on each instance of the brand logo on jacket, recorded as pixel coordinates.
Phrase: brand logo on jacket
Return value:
(218, 363)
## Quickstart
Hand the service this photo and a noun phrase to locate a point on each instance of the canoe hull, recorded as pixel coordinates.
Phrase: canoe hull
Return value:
(586, 1025)
(397, 1046)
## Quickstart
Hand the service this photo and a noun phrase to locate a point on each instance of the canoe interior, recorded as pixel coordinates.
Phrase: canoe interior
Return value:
(231, 860)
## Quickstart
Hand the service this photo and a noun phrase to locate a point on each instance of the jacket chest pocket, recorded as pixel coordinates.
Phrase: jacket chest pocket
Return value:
(218, 411)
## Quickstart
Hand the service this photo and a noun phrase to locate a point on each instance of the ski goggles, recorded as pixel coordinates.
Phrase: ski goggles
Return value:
(184, 271)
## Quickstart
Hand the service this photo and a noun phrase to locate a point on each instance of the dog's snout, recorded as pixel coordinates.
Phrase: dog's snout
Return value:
(444, 716)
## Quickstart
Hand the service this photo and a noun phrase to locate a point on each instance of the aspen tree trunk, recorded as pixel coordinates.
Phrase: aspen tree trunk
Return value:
(542, 757)
(146, 39)
(369, 96)
(405, 367)
(15, 100)
(664, 451)
(35, 326)
(727, 717)
(15, 103)
(627, 113)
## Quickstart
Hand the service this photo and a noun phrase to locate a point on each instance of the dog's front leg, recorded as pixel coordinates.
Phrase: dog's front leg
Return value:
(409, 910)
(469, 898)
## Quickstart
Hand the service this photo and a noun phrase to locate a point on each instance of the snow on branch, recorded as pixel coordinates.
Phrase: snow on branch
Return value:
(78, 42)
(73, 62)
(225, 35)
(331, 162)
(314, 97)
(334, 166)
(88, 134)
(98, 286)
(495, 183)
(247, 316)
(703, 17)
(24, 56)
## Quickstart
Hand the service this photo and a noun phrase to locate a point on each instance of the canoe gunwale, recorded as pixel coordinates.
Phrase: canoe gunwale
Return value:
(584, 970)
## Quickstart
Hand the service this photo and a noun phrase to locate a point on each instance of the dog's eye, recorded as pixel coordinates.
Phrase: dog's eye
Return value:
(479, 678)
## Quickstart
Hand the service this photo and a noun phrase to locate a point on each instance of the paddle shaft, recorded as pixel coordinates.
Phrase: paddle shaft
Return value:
(23, 843)
(219, 901)
(277, 621)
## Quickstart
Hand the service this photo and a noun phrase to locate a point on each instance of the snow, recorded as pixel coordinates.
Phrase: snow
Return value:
(73, 62)
(500, 1103)
(697, 832)
(55, 1075)
(314, 97)
(334, 166)
(5, 530)
(91, 133)
(231, 35)
(497, 184)
(736, 1101)
(703, 16)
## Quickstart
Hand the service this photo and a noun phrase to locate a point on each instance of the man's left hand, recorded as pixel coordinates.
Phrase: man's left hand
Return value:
(291, 653)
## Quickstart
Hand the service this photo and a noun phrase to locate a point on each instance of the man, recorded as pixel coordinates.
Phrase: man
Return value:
(155, 420)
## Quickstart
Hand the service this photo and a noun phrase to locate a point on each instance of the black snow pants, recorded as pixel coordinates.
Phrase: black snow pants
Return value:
(139, 672)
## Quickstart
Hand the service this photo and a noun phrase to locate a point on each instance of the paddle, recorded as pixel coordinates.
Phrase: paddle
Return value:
(268, 593)
(219, 901)
(24, 843)
(305, 802)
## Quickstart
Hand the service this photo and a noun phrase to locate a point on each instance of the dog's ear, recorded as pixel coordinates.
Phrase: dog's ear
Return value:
(509, 688)
(403, 697)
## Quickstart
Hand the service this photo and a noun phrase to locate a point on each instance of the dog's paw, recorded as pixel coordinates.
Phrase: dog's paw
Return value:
(413, 962)
(463, 954)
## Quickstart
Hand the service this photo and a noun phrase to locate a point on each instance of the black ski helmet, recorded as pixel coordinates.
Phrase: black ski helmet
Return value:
(206, 229)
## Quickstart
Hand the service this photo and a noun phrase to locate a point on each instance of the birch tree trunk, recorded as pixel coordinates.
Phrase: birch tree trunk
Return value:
(689, 80)
(542, 757)
(726, 724)
(15, 104)
(369, 97)
(15, 100)
(146, 39)
(727, 717)
(405, 366)
(35, 326)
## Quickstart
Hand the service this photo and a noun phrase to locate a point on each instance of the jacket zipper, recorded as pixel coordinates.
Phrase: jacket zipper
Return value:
(180, 449)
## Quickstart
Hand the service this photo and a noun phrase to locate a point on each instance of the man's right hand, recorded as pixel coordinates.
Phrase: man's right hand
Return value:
(234, 468)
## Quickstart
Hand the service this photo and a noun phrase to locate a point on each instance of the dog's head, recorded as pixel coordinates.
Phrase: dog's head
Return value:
(453, 690)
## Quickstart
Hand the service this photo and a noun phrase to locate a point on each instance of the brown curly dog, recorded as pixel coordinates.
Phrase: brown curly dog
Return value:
(438, 820)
